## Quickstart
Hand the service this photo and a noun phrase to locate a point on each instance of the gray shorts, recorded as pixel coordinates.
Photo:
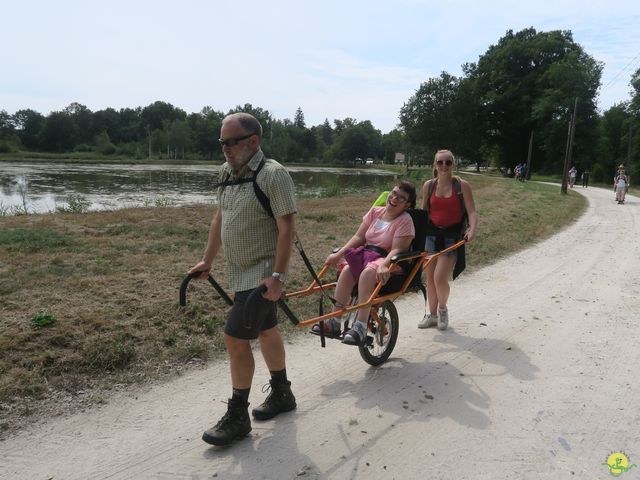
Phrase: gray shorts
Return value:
(263, 317)
(430, 245)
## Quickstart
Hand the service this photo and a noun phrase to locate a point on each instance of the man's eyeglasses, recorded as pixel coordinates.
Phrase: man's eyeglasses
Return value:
(232, 142)
(396, 194)
(448, 163)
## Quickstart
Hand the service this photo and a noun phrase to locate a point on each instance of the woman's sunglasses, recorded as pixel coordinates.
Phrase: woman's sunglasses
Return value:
(448, 163)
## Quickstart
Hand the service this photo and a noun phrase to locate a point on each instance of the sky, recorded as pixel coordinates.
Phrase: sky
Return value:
(332, 58)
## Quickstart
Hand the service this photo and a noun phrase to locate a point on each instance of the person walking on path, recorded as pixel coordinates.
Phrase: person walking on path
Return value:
(621, 185)
(257, 248)
(448, 201)
(523, 172)
(572, 176)
(585, 178)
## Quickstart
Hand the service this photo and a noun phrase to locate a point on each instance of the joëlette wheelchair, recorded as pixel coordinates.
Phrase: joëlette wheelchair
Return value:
(383, 322)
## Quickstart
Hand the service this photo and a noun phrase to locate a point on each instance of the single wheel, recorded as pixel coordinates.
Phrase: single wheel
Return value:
(381, 338)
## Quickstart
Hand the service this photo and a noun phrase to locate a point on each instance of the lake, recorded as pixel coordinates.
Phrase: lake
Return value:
(44, 187)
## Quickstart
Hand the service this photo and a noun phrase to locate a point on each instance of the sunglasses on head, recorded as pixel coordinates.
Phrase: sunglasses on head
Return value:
(448, 163)
(232, 142)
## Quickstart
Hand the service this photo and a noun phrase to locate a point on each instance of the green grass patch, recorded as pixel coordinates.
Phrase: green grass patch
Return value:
(513, 215)
(332, 190)
(24, 240)
(160, 248)
(41, 319)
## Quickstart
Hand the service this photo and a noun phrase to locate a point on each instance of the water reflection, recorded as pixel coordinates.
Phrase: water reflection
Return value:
(43, 187)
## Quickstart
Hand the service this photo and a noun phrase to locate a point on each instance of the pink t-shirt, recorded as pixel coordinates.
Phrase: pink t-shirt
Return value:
(381, 233)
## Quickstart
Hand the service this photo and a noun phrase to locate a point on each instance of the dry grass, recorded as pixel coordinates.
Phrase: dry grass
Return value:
(90, 301)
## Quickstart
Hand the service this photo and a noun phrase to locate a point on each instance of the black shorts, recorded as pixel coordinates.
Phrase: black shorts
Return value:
(263, 317)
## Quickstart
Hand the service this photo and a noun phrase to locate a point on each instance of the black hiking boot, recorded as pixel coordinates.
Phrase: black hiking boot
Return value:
(234, 425)
(279, 400)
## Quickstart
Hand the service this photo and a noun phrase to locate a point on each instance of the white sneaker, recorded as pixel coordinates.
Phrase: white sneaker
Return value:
(443, 319)
(428, 320)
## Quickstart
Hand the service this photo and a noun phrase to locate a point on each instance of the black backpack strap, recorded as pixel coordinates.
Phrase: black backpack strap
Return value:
(262, 197)
(457, 185)
(431, 186)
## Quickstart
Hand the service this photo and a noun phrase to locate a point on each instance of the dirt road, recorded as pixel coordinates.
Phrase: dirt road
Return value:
(537, 378)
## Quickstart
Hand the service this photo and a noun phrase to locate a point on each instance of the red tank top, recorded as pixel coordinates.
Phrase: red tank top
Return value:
(445, 211)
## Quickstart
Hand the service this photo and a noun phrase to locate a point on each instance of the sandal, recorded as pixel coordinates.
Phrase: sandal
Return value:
(331, 329)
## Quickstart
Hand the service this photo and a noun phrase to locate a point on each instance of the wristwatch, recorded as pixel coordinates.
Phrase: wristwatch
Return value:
(278, 275)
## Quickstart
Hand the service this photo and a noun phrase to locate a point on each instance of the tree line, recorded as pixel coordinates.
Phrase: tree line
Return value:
(161, 131)
(520, 92)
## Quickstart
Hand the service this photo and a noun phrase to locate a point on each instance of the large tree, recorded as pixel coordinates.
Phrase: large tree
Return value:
(529, 82)
(160, 114)
(205, 130)
(431, 117)
(28, 125)
(612, 147)
(84, 130)
(58, 133)
(298, 119)
(633, 128)
(355, 140)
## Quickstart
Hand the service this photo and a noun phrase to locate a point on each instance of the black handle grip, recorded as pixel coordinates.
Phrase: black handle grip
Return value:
(214, 284)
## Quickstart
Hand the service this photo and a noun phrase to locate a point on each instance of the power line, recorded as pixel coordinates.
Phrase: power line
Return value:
(620, 73)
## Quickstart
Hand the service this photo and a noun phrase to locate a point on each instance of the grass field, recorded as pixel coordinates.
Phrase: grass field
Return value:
(89, 302)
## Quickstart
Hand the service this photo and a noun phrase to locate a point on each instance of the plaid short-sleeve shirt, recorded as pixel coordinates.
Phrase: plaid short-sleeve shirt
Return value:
(249, 234)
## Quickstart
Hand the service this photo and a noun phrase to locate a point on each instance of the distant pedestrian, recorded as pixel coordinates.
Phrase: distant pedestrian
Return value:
(572, 176)
(585, 178)
(523, 172)
(621, 185)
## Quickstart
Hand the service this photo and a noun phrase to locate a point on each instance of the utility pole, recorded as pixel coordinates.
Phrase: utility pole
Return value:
(569, 149)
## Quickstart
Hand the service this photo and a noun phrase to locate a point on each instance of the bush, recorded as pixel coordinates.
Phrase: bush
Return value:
(131, 149)
(10, 143)
(108, 149)
(75, 204)
(83, 147)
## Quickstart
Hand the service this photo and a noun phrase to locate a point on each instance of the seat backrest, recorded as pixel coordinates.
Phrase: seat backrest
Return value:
(420, 220)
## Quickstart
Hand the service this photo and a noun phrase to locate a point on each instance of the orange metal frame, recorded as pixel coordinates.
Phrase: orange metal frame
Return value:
(373, 300)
